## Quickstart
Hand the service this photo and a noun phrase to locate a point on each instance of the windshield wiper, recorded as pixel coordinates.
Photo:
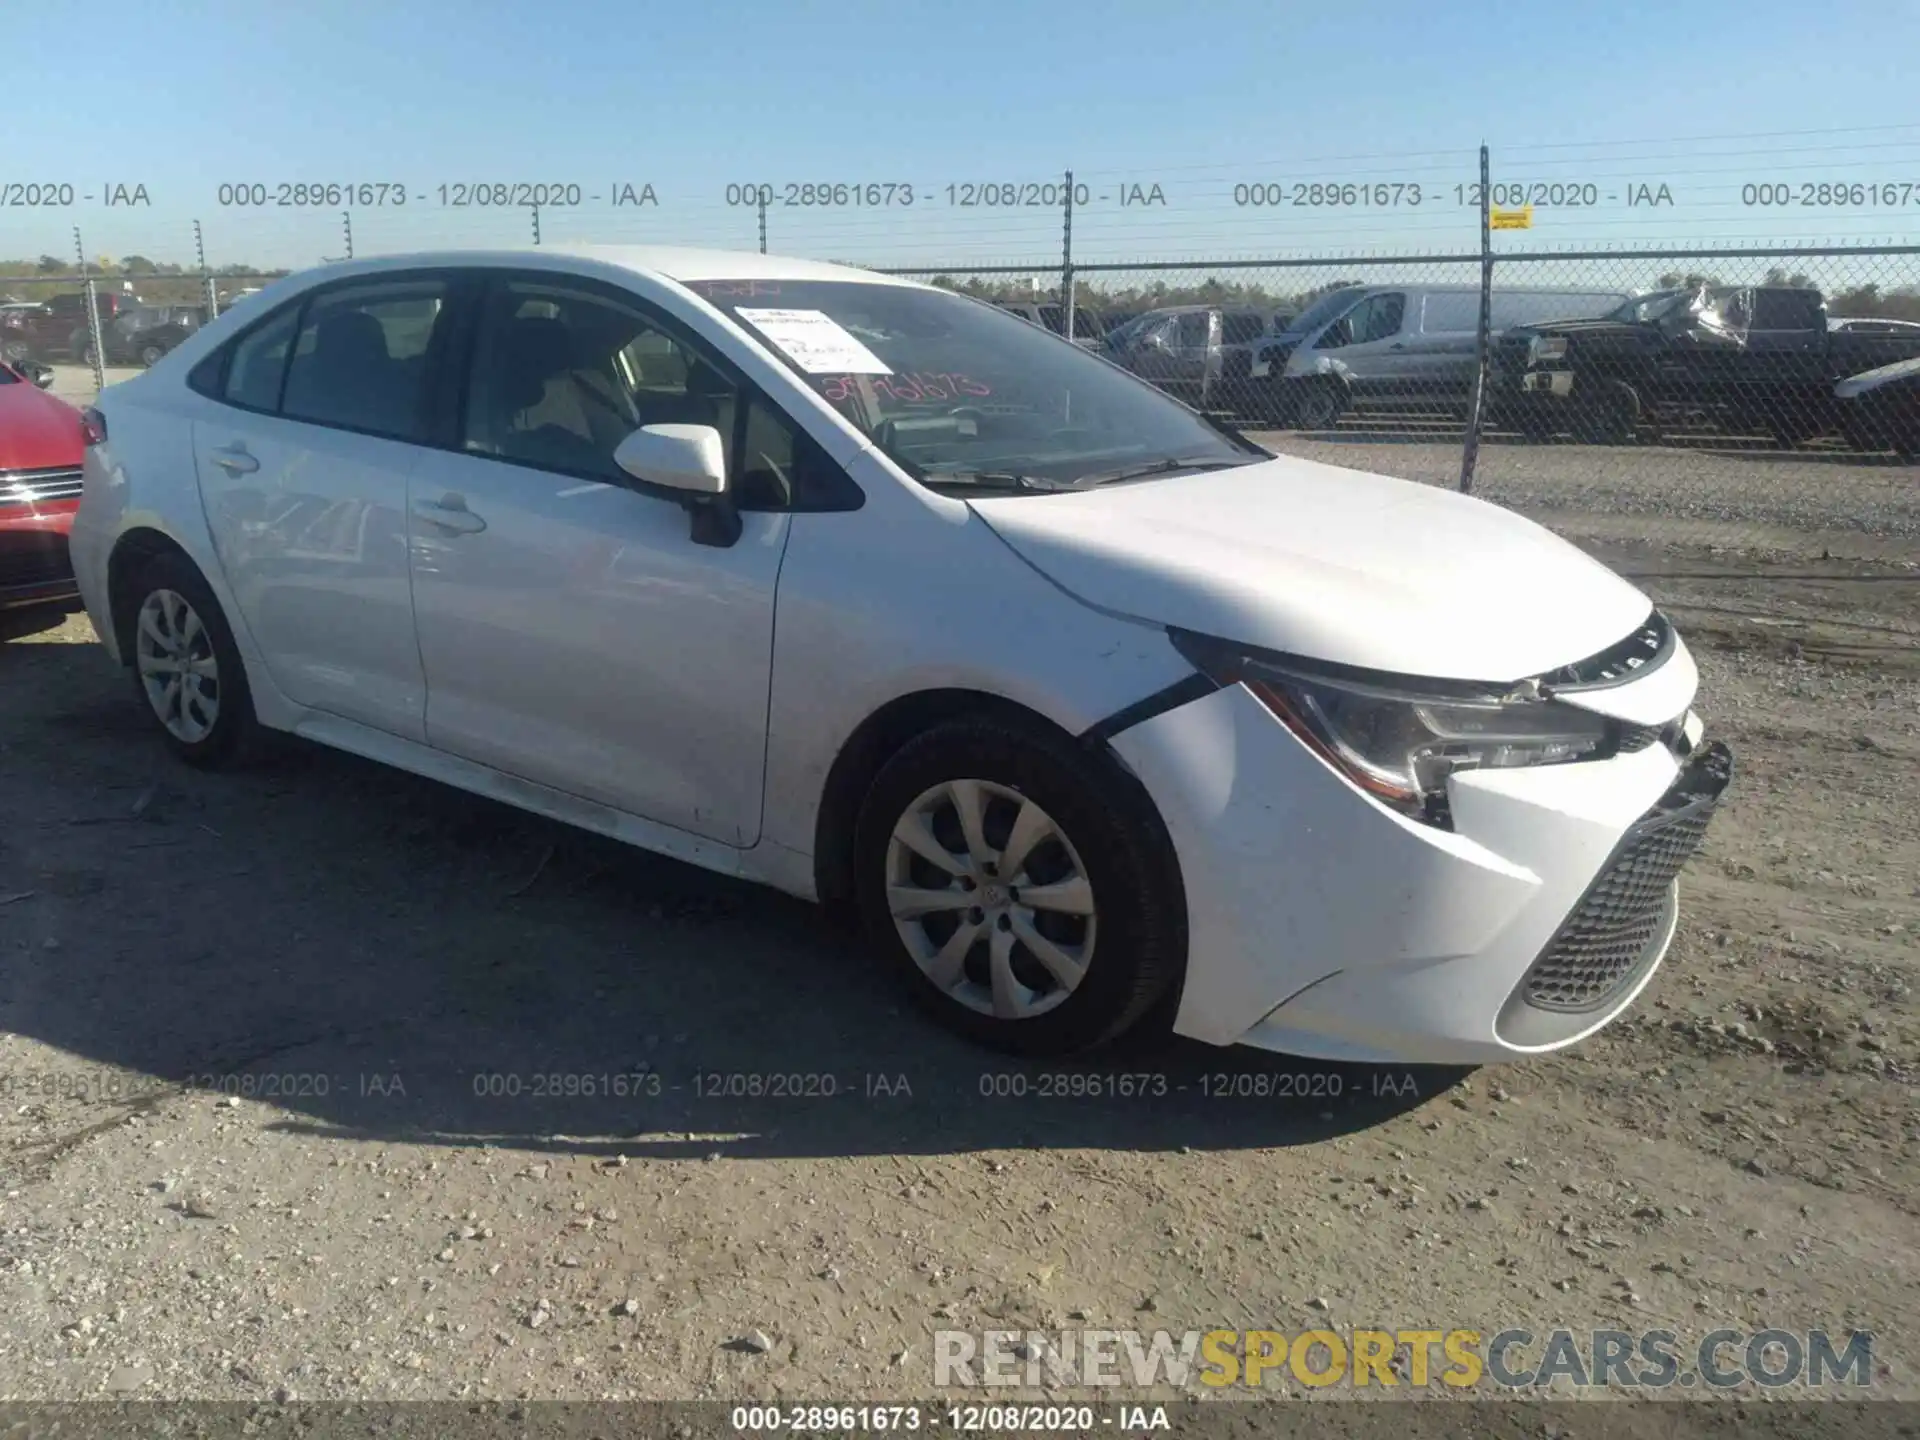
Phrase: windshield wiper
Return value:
(997, 480)
(1163, 467)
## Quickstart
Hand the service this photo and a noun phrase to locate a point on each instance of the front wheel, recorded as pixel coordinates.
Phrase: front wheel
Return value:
(1021, 886)
(186, 667)
(1320, 405)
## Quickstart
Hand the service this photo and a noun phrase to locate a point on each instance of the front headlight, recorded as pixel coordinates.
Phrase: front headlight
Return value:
(1547, 347)
(1399, 740)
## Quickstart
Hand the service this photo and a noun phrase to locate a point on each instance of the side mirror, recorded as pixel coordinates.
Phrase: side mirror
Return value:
(691, 460)
(41, 375)
(677, 457)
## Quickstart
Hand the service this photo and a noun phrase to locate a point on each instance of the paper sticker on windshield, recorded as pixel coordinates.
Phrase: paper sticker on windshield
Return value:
(815, 341)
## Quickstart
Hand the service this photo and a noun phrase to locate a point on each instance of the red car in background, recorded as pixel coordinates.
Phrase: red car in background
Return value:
(41, 446)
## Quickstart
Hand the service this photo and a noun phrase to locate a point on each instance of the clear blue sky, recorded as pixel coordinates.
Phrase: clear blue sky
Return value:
(1194, 97)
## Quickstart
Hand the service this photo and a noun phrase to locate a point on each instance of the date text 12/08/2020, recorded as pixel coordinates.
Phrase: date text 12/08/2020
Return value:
(453, 195)
(1407, 194)
(964, 195)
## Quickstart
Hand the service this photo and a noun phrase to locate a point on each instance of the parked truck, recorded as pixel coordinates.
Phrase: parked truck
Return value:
(1744, 358)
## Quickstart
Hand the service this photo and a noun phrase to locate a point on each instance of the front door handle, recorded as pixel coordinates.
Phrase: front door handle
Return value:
(449, 516)
(235, 460)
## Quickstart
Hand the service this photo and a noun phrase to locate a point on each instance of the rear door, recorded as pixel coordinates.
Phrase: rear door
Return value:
(316, 419)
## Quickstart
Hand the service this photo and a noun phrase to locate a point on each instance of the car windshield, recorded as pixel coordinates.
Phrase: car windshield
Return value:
(959, 391)
(1323, 310)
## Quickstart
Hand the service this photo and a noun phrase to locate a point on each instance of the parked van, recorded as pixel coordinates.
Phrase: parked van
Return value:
(1409, 345)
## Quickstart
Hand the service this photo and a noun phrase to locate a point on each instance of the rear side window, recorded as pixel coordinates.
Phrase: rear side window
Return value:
(1241, 329)
(1786, 310)
(259, 361)
(360, 361)
(1455, 313)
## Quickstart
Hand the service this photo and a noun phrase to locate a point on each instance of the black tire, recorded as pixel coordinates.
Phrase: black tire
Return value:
(14, 351)
(1320, 404)
(1610, 416)
(236, 736)
(150, 355)
(1138, 950)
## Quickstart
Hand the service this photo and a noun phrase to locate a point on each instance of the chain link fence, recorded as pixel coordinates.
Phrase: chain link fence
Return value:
(1449, 335)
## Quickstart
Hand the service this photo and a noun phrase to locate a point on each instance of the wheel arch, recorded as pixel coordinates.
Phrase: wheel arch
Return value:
(131, 553)
(873, 742)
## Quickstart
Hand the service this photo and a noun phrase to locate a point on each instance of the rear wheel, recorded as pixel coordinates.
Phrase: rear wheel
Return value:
(15, 351)
(1021, 886)
(150, 354)
(186, 667)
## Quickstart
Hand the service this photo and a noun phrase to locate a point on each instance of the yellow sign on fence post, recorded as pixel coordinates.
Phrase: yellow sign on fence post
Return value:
(1521, 219)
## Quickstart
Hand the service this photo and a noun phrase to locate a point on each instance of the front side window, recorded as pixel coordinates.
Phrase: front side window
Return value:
(1190, 333)
(1375, 318)
(955, 390)
(560, 377)
(360, 360)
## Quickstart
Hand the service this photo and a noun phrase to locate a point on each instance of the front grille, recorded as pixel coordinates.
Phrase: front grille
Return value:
(1638, 737)
(1603, 943)
(37, 487)
(33, 557)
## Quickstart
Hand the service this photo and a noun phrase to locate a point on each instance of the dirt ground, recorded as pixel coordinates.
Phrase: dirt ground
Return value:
(370, 1191)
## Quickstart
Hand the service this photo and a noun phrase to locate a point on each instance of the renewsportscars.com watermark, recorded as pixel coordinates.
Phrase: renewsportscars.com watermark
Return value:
(1387, 1359)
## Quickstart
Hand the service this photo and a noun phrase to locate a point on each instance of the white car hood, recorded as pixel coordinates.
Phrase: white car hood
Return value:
(1329, 563)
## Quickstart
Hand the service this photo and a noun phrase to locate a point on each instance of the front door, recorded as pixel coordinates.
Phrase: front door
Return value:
(573, 632)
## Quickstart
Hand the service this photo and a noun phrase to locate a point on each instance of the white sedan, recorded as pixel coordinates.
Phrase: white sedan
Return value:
(882, 596)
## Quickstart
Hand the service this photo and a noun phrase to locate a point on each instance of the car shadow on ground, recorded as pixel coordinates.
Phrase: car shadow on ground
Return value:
(388, 959)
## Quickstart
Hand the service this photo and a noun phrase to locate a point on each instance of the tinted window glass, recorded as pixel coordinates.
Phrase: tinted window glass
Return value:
(781, 467)
(1191, 331)
(259, 360)
(1383, 317)
(560, 378)
(360, 361)
(1324, 309)
(1240, 329)
(1786, 310)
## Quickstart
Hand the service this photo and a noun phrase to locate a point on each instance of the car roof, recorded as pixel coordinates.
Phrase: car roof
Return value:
(681, 264)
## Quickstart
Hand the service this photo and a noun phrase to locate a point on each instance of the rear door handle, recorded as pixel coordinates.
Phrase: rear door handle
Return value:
(449, 516)
(235, 460)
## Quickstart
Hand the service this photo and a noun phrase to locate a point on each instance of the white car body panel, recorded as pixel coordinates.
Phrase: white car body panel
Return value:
(581, 641)
(582, 658)
(1332, 564)
(313, 544)
(1422, 946)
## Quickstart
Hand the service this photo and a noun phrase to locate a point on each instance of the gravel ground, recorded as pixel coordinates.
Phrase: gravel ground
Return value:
(383, 970)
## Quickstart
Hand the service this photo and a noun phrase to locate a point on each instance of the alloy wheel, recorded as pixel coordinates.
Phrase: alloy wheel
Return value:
(173, 651)
(991, 899)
